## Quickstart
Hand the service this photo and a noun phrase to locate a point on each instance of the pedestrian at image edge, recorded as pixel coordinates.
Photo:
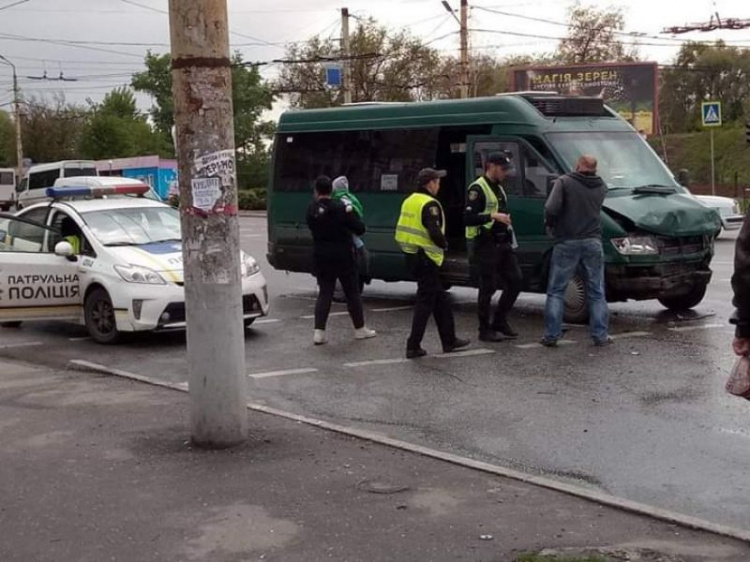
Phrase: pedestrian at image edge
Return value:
(489, 237)
(573, 215)
(420, 233)
(333, 225)
(741, 289)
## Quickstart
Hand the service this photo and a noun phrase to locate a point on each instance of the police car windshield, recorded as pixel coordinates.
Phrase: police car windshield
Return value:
(134, 226)
(625, 160)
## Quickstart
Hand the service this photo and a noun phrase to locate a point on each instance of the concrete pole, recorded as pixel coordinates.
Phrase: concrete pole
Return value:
(202, 89)
(713, 165)
(17, 118)
(464, 49)
(346, 50)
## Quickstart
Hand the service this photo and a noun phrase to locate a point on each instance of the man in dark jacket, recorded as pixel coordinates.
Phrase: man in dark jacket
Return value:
(573, 212)
(741, 288)
(490, 240)
(332, 225)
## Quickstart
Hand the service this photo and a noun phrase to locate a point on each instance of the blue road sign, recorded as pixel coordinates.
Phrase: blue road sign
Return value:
(711, 113)
(333, 76)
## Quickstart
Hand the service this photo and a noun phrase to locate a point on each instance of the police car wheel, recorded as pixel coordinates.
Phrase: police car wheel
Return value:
(99, 315)
(10, 324)
(576, 304)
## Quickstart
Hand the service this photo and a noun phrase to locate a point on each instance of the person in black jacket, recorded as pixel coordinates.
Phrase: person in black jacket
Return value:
(332, 224)
(741, 288)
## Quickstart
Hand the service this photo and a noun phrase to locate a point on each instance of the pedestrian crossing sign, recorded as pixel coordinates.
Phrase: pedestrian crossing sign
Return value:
(711, 113)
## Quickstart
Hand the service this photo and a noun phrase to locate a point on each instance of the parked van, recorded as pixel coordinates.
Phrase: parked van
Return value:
(7, 187)
(658, 240)
(32, 188)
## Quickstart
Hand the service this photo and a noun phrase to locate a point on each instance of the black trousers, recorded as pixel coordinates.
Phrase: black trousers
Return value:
(327, 284)
(432, 300)
(498, 268)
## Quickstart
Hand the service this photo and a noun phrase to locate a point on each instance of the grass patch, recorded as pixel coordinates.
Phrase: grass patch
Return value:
(557, 558)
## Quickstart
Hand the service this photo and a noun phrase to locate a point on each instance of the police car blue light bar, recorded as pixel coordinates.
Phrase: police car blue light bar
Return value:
(133, 189)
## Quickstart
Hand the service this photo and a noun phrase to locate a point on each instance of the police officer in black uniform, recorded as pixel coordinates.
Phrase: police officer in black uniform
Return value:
(490, 240)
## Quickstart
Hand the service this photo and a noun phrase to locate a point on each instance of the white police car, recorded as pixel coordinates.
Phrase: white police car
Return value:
(126, 274)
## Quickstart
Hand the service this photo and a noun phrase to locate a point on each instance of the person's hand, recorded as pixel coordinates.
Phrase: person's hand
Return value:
(741, 346)
(501, 217)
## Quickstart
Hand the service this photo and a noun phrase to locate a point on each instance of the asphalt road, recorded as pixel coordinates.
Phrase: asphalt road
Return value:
(646, 419)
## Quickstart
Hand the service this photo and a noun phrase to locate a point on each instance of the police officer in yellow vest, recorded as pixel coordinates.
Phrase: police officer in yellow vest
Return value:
(71, 234)
(421, 235)
(490, 240)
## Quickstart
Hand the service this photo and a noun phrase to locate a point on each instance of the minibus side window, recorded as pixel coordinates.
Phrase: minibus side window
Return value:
(535, 174)
(512, 184)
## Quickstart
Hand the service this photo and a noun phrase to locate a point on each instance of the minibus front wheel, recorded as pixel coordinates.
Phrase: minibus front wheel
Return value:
(576, 303)
(685, 301)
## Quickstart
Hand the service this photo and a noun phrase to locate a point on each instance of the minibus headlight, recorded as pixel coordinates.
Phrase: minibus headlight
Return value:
(249, 266)
(636, 246)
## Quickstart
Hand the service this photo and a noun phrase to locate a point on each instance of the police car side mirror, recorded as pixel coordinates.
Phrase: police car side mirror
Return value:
(65, 250)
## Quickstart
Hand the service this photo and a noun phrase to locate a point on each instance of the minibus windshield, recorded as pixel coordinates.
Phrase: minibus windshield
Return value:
(625, 160)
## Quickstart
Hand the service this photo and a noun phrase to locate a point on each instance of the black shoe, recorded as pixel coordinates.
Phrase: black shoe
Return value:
(548, 342)
(491, 336)
(415, 353)
(604, 343)
(457, 344)
(505, 329)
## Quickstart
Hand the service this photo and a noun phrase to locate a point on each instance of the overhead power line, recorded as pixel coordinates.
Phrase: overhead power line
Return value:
(13, 4)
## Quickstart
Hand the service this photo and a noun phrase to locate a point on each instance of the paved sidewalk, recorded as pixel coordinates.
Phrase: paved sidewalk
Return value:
(96, 468)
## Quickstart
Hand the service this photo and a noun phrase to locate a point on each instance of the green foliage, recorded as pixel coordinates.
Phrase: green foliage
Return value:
(701, 73)
(156, 81)
(252, 199)
(53, 130)
(593, 36)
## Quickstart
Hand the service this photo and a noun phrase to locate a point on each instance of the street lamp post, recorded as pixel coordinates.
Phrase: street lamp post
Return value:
(17, 111)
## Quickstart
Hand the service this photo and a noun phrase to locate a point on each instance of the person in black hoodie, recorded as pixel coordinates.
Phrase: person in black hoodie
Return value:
(332, 224)
(573, 214)
(741, 288)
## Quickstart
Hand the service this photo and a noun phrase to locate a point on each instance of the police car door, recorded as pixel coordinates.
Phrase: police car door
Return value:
(35, 283)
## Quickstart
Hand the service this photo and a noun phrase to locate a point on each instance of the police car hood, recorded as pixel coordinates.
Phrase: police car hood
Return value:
(666, 212)
(164, 257)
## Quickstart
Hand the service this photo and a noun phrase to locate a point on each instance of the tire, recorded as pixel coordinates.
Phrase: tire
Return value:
(576, 303)
(686, 301)
(248, 322)
(15, 324)
(99, 316)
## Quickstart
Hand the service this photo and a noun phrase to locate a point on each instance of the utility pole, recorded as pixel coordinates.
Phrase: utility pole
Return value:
(463, 22)
(464, 49)
(202, 90)
(346, 51)
(17, 118)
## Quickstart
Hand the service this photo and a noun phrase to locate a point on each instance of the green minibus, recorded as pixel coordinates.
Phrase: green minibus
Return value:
(658, 239)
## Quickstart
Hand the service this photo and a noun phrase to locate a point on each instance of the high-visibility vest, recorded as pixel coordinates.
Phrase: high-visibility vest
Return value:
(492, 205)
(412, 235)
(75, 242)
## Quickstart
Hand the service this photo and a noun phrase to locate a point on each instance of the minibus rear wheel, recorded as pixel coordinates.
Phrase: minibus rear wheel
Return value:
(685, 301)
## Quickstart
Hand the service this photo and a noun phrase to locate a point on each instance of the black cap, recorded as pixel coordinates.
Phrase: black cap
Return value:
(426, 175)
(499, 159)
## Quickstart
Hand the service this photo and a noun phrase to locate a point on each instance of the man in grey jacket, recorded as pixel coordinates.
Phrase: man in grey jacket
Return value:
(573, 213)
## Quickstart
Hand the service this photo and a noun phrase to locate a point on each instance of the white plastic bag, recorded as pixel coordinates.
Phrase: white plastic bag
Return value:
(738, 383)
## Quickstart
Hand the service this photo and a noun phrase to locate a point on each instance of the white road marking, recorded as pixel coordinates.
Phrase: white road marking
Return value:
(267, 321)
(400, 360)
(84, 338)
(311, 316)
(535, 345)
(393, 309)
(701, 327)
(281, 373)
(629, 335)
(21, 344)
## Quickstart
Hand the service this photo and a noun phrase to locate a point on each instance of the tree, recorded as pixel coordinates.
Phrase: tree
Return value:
(593, 36)
(385, 66)
(52, 130)
(156, 81)
(117, 130)
(7, 140)
(700, 73)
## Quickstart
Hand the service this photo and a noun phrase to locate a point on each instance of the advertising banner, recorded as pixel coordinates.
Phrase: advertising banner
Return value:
(628, 88)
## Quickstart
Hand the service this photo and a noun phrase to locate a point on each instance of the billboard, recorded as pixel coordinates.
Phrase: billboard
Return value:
(628, 88)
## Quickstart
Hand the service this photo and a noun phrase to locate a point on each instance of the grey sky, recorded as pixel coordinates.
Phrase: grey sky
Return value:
(114, 35)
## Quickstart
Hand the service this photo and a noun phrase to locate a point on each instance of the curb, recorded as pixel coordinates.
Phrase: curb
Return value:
(540, 481)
